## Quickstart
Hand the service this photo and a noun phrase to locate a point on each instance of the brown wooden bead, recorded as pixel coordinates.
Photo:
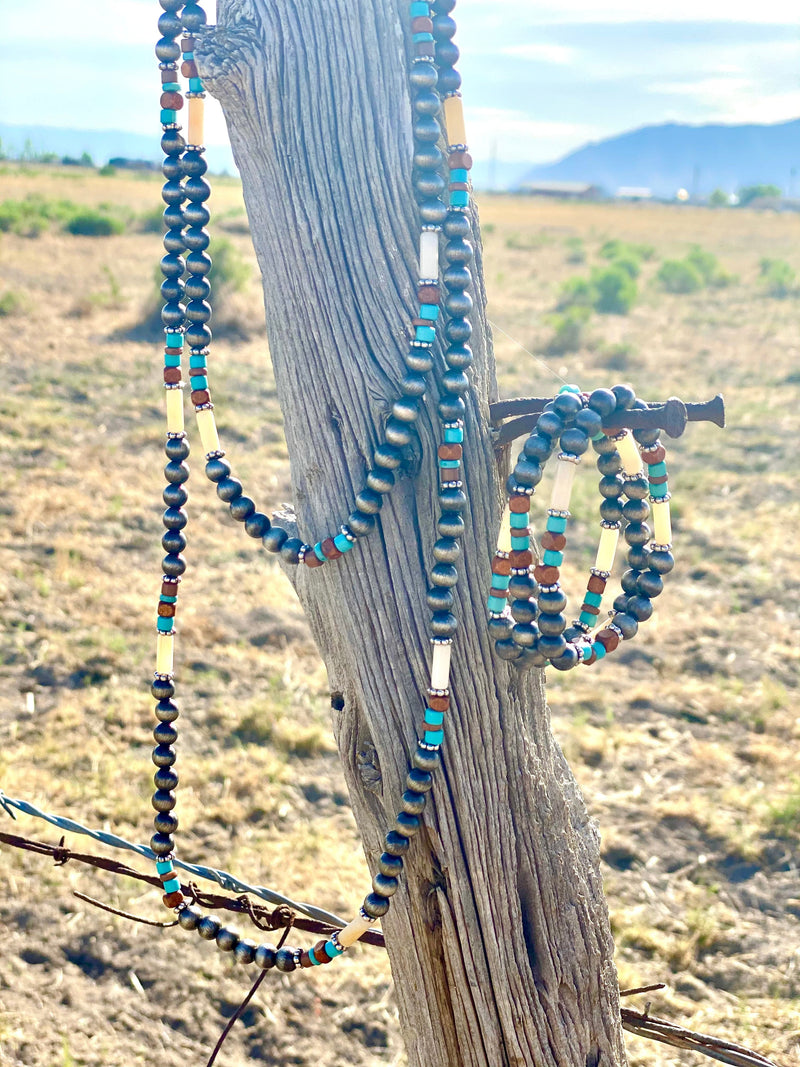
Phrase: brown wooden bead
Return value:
(459, 160)
(546, 575)
(329, 549)
(311, 559)
(320, 953)
(189, 69)
(188, 43)
(596, 584)
(658, 455)
(659, 480)
(519, 503)
(553, 542)
(200, 396)
(169, 588)
(174, 351)
(501, 566)
(463, 186)
(438, 703)
(590, 608)
(423, 322)
(428, 294)
(424, 48)
(198, 372)
(172, 99)
(450, 451)
(172, 900)
(592, 658)
(524, 532)
(167, 611)
(172, 375)
(608, 639)
(422, 24)
(305, 959)
(521, 557)
(168, 75)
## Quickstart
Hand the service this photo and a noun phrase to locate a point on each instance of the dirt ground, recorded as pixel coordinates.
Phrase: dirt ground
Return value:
(688, 753)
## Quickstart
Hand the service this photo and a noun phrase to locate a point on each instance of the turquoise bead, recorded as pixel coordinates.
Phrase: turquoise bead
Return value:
(519, 520)
(172, 886)
(599, 649)
(520, 544)
(569, 389)
(342, 543)
(500, 581)
(429, 311)
(188, 55)
(586, 652)
(453, 435)
(197, 361)
(318, 551)
(168, 115)
(449, 464)
(172, 359)
(420, 10)
(433, 718)
(170, 86)
(164, 866)
(422, 37)
(595, 599)
(195, 85)
(587, 618)
(174, 340)
(425, 333)
(168, 599)
(556, 524)
(657, 470)
(597, 436)
(314, 961)
(200, 382)
(497, 604)
(553, 559)
(459, 174)
(659, 491)
(164, 625)
(459, 198)
(434, 737)
(332, 950)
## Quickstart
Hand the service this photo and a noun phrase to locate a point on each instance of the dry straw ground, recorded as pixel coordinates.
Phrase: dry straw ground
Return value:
(686, 746)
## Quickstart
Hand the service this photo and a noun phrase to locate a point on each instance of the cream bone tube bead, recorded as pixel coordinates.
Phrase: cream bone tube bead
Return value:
(440, 667)
(606, 548)
(662, 524)
(629, 454)
(207, 425)
(454, 120)
(175, 423)
(165, 646)
(353, 931)
(562, 487)
(504, 534)
(429, 254)
(196, 110)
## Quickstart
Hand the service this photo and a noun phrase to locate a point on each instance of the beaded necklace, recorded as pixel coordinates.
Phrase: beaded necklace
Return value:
(433, 68)
(531, 630)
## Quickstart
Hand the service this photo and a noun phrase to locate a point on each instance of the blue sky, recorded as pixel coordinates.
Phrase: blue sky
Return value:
(539, 78)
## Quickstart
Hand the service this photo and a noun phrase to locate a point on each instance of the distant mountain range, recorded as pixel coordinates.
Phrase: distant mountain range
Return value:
(662, 158)
(676, 156)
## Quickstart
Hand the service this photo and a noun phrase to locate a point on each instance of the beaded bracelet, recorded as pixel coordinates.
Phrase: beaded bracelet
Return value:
(531, 630)
(432, 40)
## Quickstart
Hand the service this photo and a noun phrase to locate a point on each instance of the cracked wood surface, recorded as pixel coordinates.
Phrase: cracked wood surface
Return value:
(498, 937)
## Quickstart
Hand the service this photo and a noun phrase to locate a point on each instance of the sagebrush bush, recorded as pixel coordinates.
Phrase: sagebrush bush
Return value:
(615, 290)
(576, 292)
(628, 262)
(569, 329)
(576, 252)
(10, 303)
(89, 223)
(679, 276)
(777, 277)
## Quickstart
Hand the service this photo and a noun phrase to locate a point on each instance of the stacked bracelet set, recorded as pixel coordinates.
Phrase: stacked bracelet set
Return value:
(530, 629)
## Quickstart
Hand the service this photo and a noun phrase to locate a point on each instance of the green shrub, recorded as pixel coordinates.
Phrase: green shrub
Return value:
(778, 277)
(614, 248)
(29, 217)
(576, 253)
(229, 272)
(89, 223)
(107, 171)
(615, 290)
(705, 263)
(10, 303)
(679, 276)
(756, 192)
(569, 329)
(576, 292)
(151, 221)
(628, 262)
(719, 198)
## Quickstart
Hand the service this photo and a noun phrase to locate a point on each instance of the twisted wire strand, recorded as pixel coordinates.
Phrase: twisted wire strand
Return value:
(225, 879)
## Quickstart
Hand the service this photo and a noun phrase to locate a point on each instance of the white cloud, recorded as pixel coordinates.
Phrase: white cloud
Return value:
(558, 54)
(515, 136)
(783, 12)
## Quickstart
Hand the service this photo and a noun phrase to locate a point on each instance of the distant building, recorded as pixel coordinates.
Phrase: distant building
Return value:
(633, 192)
(561, 190)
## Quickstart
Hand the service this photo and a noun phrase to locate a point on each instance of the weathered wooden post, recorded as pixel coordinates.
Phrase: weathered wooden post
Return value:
(499, 937)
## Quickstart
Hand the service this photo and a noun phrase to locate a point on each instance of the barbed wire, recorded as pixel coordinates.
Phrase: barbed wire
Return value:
(225, 879)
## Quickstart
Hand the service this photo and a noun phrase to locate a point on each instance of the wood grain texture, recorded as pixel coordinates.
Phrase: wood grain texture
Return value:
(499, 937)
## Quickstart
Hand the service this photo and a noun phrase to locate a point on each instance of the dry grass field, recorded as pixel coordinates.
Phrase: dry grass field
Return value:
(687, 745)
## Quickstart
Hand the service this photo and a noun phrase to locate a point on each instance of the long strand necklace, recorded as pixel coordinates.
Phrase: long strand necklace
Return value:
(433, 68)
